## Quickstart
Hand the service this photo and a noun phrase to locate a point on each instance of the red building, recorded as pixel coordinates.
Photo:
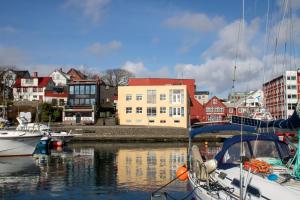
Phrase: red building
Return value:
(197, 112)
(215, 110)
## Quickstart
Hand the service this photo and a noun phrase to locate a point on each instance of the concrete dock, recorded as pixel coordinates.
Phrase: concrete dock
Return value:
(135, 133)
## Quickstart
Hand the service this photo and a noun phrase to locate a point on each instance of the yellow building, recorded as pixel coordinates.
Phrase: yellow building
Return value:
(163, 105)
(146, 167)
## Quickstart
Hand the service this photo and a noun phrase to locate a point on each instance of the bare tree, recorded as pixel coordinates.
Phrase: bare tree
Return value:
(116, 77)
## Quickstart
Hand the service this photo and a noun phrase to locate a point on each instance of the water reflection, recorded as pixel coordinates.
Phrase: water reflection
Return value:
(143, 168)
(94, 171)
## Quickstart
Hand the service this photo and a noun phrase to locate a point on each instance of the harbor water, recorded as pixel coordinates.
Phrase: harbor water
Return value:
(96, 171)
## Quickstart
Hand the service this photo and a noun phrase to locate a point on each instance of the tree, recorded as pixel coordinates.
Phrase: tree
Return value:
(116, 77)
(49, 112)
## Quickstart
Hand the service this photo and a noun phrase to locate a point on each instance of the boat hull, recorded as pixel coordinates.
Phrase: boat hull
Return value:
(18, 146)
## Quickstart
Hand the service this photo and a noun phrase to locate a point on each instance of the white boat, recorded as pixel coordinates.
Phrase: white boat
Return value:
(24, 125)
(18, 143)
(62, 136)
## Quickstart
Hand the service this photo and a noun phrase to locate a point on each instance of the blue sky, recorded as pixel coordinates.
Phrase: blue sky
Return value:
(152, 38)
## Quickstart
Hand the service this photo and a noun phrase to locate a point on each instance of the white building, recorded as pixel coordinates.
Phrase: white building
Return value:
(60, 78)
(32, 89)
(202, 96)
(247, 104)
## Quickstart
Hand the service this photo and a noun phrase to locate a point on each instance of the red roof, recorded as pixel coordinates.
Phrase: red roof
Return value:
(42, 82)
(55, 94)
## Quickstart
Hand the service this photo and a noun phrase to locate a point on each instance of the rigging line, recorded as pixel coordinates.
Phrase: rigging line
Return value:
(285, 4)
(266, 38)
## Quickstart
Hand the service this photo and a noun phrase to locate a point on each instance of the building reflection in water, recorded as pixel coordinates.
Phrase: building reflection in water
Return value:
(145, 167)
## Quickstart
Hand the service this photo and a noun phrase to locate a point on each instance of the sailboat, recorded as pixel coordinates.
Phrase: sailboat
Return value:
(254, 165)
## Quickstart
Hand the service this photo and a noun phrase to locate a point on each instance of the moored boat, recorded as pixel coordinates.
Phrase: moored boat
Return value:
(18, 143)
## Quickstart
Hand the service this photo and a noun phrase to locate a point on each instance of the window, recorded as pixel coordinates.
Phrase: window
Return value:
(34, 96)
(162, 121)
(87, 89)
(151, 111)
(128, 97)
(18, 89)
(93, 101)
(215, 101)
(93, 89)
(61, 102)
(230, 110)
(71, 101)
(82, 89)
(176, 112)
(151, 96)
(28, 81)
(163, 110)
(209, 109)
(76, 89)
(24, 89)
(232, 155)
(162, 97)
(176, 121)
(128, 110)
(151, 121)
(176, 96)
(139, 97)
(34, 89)
(40, 89)
(87, 101)
(264, 149)
(293, 78)
(54, 102)
(139, 110)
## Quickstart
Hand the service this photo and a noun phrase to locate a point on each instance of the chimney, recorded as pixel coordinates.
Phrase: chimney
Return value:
(34, 74)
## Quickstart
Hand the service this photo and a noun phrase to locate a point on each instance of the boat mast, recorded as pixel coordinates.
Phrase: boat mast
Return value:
(241, 144)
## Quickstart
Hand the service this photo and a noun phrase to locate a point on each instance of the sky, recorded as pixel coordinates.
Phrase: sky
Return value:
(198, 39)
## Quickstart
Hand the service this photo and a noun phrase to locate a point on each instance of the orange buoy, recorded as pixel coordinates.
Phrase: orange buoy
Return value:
(181, 173)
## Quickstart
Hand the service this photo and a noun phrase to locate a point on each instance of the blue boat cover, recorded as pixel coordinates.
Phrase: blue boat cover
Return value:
(221, 128)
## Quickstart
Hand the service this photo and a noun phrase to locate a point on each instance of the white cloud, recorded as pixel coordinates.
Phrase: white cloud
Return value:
(216, 74)
(139, 70)
(104, 49)
(7, 29)
(199, 22)
(228, 44)
(283, 30)
(93, 9)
